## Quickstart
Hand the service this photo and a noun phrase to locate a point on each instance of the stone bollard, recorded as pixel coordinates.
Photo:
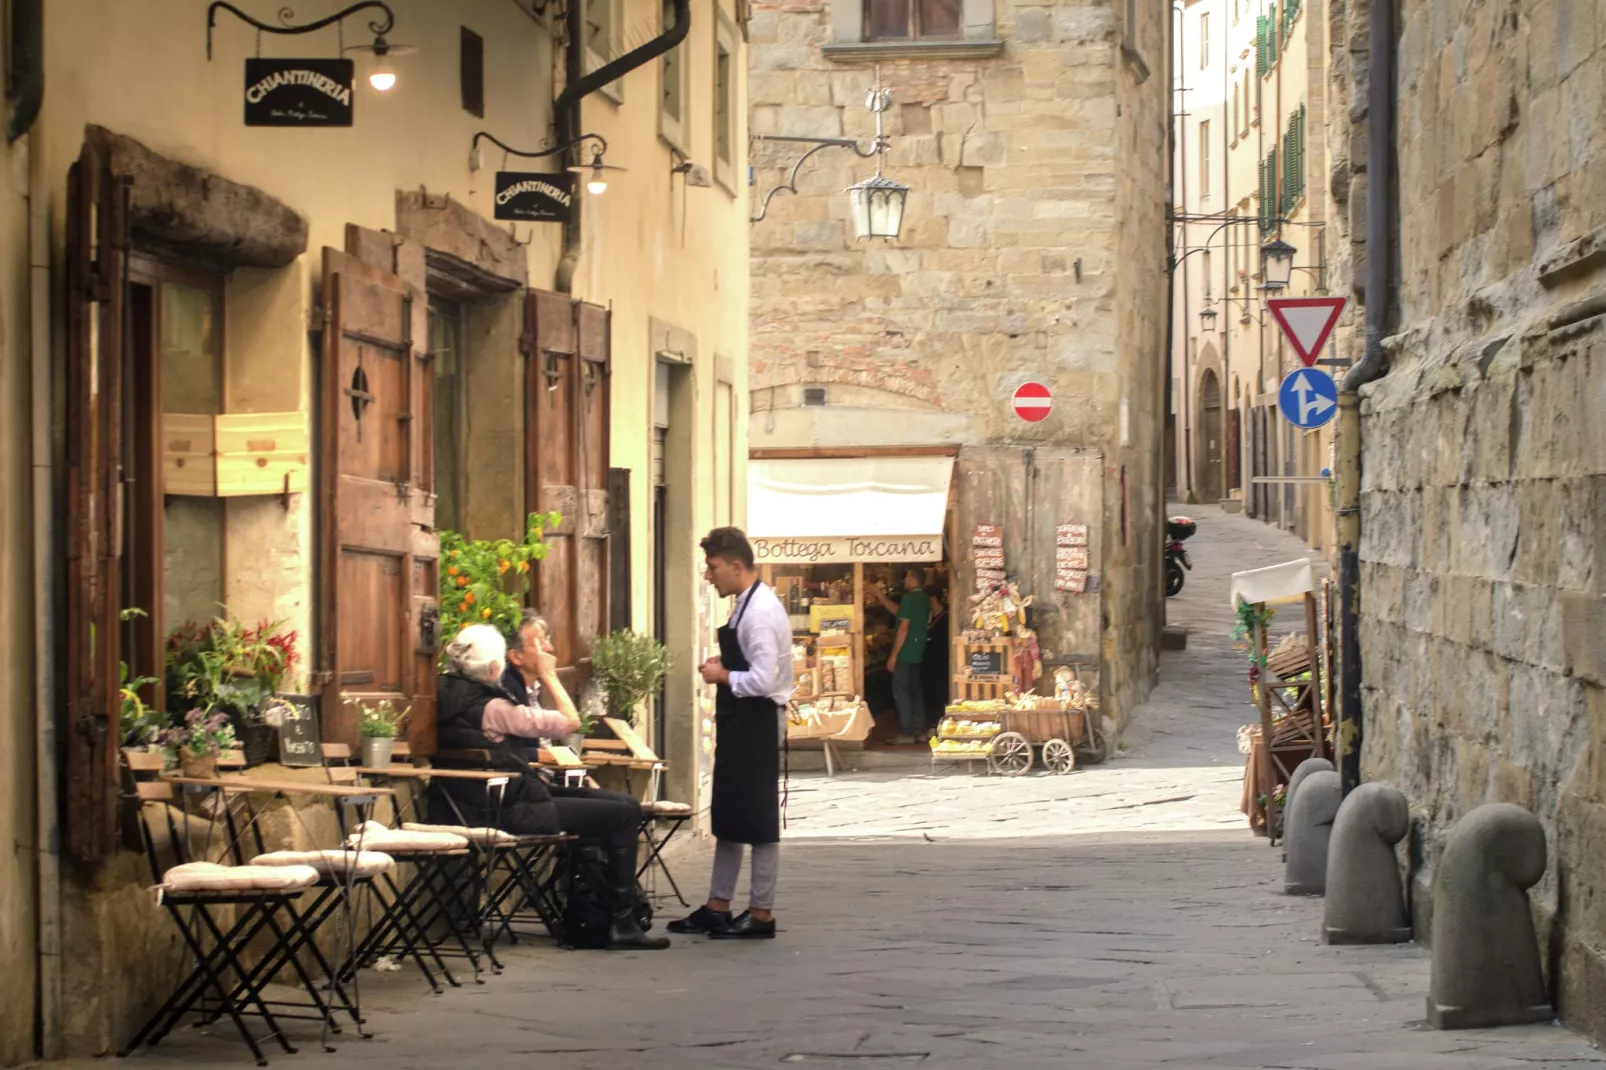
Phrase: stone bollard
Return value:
(1485, 955)
(1307, 824)
(1303, 770)
(1365, 903)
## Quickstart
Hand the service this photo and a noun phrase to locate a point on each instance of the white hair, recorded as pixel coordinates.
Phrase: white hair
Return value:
(479, 652)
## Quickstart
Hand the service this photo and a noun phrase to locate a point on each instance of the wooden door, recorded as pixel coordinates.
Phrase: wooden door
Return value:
(1211, 447)
(379, 615)
(567, 391)
(97, 218)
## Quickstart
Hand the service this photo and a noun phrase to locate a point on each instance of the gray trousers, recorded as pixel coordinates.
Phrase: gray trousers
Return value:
(728, 866)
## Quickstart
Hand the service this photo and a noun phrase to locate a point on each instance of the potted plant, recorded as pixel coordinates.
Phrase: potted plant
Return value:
(141, 725)
(483, 580)
(223, 664)
(629, 667)
(199, 740)
(378, 725)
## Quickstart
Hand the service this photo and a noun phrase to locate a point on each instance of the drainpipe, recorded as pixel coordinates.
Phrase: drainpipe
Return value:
(25, 89)
(47, 788)
(577, 86)
(1379, 256)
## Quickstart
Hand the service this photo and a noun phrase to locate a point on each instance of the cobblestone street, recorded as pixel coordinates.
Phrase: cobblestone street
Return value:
(1119, 917)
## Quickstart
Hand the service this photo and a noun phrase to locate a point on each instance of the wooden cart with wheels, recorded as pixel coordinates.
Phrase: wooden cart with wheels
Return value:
(1049, 728)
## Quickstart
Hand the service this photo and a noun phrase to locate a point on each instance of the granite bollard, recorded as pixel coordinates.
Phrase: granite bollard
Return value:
(1485, 955)
(1308, 825)
(1365, 901)
(1301, 771)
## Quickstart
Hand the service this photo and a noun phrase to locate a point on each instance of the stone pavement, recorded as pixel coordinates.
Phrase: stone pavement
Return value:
(1119, 917)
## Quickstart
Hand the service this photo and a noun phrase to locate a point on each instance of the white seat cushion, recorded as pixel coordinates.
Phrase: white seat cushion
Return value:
(211, 877)
(666, 809)
(374, 836)
(477, 835)
(330, 863)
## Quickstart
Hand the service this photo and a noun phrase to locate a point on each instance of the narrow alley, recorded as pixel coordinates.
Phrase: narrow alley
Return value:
(1119, 917)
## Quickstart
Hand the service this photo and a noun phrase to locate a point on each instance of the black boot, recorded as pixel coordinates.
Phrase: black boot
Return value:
(626, 934)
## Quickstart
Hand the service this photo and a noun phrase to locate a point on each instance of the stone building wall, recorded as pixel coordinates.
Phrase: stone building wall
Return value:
(1032, 248)
(1484, 487)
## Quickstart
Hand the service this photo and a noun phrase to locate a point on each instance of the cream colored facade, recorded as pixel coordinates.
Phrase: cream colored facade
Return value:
(1234, 110)
(667, 257)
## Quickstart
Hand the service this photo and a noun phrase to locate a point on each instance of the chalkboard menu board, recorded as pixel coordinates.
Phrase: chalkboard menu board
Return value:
(299, 744)
(986, 663)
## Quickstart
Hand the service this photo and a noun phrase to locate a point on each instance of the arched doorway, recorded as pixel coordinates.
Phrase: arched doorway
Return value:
(1212, 448)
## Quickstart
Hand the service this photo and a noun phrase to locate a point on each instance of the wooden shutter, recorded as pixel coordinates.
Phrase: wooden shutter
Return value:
(567, 391)
(97, 218)
(379, 615)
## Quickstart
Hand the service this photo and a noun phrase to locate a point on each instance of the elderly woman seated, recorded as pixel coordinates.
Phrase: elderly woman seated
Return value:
(474, 713)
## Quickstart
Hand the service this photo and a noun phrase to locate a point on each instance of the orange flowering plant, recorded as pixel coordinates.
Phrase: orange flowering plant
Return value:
(483, 581)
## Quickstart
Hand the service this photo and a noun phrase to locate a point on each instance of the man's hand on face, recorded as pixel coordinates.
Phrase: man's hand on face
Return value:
(546, 664)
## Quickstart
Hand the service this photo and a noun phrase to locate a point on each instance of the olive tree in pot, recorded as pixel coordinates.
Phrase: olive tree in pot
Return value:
(629, 667)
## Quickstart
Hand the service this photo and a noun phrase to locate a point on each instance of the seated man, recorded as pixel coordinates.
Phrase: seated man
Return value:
(474, 713)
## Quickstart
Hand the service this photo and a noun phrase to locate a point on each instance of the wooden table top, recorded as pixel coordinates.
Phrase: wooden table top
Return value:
(238, 785)
(417, 772)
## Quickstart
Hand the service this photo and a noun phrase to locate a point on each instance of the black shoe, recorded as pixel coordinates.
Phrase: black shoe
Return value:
(702, 920)
(625, 933)
(744, 927)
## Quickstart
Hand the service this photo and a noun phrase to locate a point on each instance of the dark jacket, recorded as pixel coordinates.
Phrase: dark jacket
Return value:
(524, 807)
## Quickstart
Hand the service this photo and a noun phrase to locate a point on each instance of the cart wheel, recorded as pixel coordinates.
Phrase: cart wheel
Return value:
(1097, 747)
(1010, 755)
(1058, 756)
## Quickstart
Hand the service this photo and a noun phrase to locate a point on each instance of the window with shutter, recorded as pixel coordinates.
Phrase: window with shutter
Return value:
(1262, 57)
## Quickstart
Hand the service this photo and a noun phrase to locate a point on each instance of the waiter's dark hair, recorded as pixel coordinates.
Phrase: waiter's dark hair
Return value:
(730, 544)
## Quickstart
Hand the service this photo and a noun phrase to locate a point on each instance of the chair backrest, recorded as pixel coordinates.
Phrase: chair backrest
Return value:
(231, 759)
(336, 752)
(401, 750)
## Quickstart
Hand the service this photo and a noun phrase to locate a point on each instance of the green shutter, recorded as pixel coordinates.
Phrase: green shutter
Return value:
(1272, 36)
(1262, 55)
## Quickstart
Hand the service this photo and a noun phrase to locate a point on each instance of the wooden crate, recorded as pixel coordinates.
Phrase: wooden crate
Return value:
(232, 455)
(1042, 725)
(983, 685)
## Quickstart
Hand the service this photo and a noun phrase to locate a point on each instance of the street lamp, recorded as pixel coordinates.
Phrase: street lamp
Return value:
(877, 203)
(594, 169)
(1207, 320)
(1276, 264)
(383, 75)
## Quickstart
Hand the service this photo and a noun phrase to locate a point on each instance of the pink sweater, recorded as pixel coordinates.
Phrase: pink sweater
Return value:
(502, 719)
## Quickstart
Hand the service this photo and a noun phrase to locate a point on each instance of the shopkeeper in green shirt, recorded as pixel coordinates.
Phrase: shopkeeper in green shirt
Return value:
(913, 611)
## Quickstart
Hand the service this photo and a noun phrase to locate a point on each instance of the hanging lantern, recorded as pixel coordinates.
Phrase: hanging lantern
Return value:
(877, 206)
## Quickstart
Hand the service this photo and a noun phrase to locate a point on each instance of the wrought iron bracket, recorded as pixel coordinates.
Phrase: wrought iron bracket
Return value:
(878, 147)
(541, 153)
(379, 27)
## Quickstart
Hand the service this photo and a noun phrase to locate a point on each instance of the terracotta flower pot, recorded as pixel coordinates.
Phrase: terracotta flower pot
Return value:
(192, 764)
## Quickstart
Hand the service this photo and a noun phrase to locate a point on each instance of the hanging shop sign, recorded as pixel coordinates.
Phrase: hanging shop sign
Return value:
(825, 550)
(534, 196)
(298, 92)
(987, 552)
(1070, 560)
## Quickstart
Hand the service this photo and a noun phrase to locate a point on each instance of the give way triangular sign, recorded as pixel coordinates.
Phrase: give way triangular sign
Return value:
(1306, 322)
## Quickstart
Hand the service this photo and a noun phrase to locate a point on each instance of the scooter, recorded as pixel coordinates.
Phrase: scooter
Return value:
(1177, 530)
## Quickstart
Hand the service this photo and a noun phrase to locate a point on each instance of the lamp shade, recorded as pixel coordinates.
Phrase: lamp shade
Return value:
(1207, 319)
(1276, 264)
(877, 206)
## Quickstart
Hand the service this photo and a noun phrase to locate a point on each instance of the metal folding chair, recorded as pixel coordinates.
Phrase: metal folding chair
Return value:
(191, 891)
(660, 821)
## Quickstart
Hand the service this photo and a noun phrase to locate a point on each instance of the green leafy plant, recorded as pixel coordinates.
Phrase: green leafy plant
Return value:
(224, 663)
(139, 724)
(483, 581)
(379, 721)
(629, 667)
(1252, 615)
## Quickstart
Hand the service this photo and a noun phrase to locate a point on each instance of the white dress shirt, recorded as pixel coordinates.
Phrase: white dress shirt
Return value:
(764, 632)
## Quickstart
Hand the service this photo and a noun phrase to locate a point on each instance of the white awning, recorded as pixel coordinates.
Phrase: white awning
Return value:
(827, 509)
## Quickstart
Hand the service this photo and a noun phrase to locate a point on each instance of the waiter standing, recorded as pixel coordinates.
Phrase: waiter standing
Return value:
(754, 676)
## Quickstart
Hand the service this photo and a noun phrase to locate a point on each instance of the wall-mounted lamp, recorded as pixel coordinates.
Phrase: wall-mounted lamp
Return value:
(596, 169)
(383, 75)
(1207, 320)
(1276, 265)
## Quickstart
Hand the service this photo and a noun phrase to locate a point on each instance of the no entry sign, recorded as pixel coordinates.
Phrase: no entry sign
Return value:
(1033, 402)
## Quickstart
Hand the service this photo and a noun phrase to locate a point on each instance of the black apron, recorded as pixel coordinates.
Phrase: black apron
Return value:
(746, 806)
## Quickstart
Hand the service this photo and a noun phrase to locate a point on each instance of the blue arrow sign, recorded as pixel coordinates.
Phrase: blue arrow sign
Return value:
(1308, 398)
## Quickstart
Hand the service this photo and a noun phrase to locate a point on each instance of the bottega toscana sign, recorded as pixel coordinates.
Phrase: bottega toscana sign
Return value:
(828, 550)
(298, 92)
(533, 196)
